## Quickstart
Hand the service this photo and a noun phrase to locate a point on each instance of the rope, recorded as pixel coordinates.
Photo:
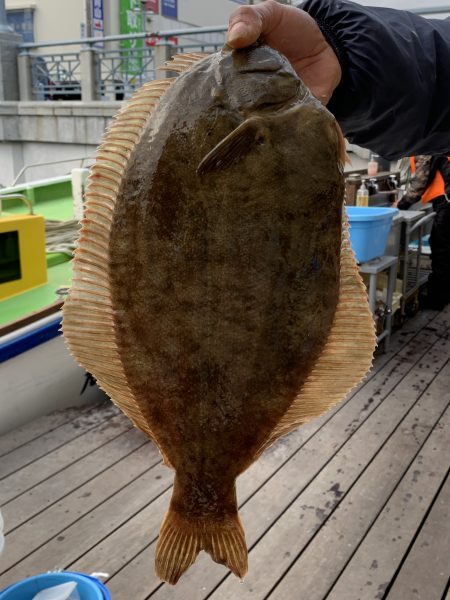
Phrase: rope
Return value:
(61, 236)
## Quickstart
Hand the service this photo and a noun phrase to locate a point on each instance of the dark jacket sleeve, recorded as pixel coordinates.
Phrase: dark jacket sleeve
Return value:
(394, 96)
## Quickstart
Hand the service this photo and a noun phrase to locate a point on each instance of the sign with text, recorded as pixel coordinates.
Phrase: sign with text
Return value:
(152, 6)
(98, 20)
(131, 22)
(169, 8)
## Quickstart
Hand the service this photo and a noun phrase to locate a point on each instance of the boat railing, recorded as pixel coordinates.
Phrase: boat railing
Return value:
(81, 160)
(107, 68)
(21, 197)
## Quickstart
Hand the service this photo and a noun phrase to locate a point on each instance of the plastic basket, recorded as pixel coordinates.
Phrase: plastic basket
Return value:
(89, 588)
(369, 230)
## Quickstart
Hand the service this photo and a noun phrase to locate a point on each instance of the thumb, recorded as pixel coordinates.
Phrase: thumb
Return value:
(248, 23)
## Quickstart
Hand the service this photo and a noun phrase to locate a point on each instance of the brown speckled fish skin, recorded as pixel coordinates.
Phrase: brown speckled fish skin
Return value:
(215, 296)
(226, 283)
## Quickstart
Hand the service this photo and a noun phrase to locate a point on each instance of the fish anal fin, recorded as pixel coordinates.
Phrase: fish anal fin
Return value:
(233, 147)
(347, 355)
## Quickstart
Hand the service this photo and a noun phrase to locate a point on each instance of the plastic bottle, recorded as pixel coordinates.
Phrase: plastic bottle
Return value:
(362, 195)
(372, 166)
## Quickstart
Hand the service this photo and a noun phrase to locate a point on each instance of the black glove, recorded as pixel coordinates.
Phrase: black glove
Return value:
(404, 203)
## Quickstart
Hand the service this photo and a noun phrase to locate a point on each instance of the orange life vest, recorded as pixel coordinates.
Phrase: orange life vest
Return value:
(436, 187)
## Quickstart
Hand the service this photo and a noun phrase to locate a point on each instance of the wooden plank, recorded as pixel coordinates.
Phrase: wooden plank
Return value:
(37, 471)
(22, 435)
(137, 539)
(136, 587)
(136, 535)
(44, 528)
(47, 423)
(375, 561)
(44, 444)
(139, 534)
(426, 571)
(86, 536)
(205, 575)
(53, 489)
(112, 553)
(274, 553)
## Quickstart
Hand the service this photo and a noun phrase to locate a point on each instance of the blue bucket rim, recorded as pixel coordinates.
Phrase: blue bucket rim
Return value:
(104, 590)
(374, 213)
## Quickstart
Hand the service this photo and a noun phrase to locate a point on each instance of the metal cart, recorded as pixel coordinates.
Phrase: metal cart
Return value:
(373, 268)
(415, 264)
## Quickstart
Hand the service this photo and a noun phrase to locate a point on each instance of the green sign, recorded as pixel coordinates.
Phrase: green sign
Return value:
(131, 21)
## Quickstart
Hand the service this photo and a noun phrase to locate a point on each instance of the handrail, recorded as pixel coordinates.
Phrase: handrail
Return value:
(181, 32)
(16, 197)
(128, 36)
(421, 222)
(51, 162)
(435, 10)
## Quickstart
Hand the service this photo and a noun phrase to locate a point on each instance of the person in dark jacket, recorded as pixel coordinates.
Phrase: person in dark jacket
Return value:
(383, 73)
(431, 183)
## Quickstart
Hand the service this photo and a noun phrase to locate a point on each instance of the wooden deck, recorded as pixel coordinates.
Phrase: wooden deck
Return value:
(354, 505)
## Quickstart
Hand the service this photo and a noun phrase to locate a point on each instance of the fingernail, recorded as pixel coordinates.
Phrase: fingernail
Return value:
(238, 31)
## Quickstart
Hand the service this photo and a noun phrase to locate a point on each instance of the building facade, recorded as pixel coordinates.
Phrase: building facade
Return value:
(43, 21)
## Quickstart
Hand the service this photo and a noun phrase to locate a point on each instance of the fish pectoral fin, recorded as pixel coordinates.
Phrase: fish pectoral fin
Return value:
(237, 144)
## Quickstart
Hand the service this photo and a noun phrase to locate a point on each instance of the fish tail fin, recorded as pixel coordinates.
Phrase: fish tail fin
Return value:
(225, 543)
(182, 537)
(178, 546)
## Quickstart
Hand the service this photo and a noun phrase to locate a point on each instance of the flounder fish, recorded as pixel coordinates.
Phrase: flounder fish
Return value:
(215, 296)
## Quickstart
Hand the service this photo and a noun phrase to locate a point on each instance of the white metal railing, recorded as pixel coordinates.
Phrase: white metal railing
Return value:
(111, 67)
(81, 160)
(56, 76)
(434, 10)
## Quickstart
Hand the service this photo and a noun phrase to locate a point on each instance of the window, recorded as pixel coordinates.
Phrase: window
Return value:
(9, 257)
(22, 22)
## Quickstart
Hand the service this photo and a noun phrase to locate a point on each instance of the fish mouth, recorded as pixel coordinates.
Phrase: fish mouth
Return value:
(263, 69)
(276, 106)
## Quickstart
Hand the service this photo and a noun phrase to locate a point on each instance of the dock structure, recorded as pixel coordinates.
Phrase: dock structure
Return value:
(352, 506)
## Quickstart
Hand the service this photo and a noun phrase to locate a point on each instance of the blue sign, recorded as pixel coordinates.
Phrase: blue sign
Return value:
(169, 8)
(98, 18)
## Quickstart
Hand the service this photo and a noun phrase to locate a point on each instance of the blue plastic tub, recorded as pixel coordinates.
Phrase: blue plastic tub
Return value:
(369, 230)
(88, 587)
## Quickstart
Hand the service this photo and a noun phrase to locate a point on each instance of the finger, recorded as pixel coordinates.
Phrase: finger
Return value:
(244, 28)
(248, 23)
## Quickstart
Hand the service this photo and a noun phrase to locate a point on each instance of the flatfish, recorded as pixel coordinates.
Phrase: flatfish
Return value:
(215, 295)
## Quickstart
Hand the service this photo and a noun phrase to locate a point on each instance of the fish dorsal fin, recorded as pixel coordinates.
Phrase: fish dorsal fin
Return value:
(182, 62)
(347, 355)
(88, 314)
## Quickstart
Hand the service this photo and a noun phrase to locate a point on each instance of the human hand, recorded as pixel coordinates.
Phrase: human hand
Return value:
(296, 35)
(403, 203)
